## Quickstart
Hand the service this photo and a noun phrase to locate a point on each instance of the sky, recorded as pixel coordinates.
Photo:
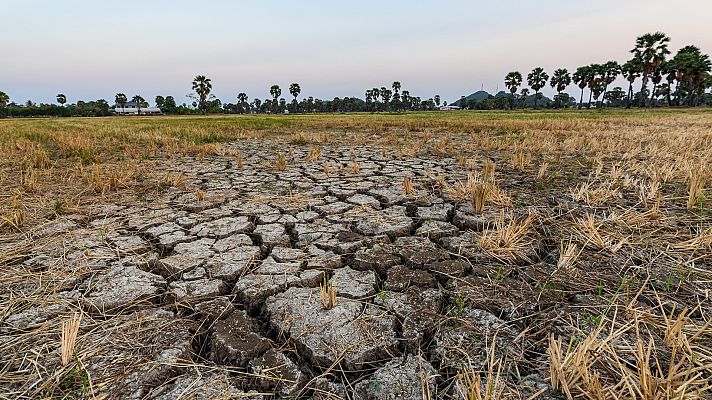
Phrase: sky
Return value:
(91, 49)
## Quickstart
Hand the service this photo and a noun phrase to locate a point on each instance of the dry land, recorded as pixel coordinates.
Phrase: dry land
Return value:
(420, 255)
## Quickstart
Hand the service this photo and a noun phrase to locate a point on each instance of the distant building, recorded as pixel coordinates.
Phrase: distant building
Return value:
(448, 108)
(131, 108)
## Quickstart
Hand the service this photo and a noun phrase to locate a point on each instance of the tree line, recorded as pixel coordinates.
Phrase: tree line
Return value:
(680, 80)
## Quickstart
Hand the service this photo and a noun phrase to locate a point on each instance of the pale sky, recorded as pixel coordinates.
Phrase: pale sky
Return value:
(91, 49)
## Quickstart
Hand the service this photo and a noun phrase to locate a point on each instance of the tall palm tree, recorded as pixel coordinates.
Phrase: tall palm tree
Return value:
(610, 70)
(139, 102)
(406, 99)
(512, 82)
(396, 87)
(121, 100)
(294, 90)
(595, 78)
(631, 70)
(670, 71)
(61, 99)
(559, 81)
(581, 77)
(650, 51)
(437, 100)
(386, 96)
(202, 87)
(4, 99)
(537, 79)
(275, 92)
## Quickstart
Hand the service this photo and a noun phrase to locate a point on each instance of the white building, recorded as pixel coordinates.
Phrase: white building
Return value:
(131, 108)
(448, 108)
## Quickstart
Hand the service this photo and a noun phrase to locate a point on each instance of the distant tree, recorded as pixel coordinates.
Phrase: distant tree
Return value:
(396, 98)
(169, 104)
(581, 78)
(693, 70)
(386, 96)
(406, 100)
(275, 92)
(4, 99)
(242, 100)
(537, 79)
(437, 100)
(559, 81)
(121, 100)
(609, 74)
(161, 103)
(258, 103)
(282, 105)
(294, 90)
(512, 82)
(649, 52)
(523, 95)
(202, 87)
(61, 99)
(631, 70)
(463, 99)
(139, 102)
(615, 96)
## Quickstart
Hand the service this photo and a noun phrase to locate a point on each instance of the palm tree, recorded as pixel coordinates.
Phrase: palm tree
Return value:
(559, 81)
(121, 100)
(275, 92)
(386, 96)
(650, 51)
(512, 82)
(437, 100)
(139, 102)
(405, 98)
(202, 87)
(595, 78)
(580, 78)
(61, 99)
(537, 79)
(610, 70)
(294, 90)
(396, 87)
(631, 70)
(670, 71)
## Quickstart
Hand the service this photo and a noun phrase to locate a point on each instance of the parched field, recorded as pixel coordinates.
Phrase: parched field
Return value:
(476, 255)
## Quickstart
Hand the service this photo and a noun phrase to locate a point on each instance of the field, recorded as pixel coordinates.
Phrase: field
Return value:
(476, 255)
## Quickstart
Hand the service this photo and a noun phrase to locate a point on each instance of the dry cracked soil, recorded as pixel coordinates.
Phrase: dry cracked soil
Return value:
(215, 291)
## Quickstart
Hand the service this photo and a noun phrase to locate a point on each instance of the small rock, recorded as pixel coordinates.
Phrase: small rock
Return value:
(234, 341)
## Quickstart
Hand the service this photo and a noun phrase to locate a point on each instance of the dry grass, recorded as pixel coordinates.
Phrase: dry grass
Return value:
(70, 329)
(638, 221)
(328, 294)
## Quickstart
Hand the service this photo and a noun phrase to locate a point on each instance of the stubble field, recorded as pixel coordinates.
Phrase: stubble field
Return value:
(421, 255)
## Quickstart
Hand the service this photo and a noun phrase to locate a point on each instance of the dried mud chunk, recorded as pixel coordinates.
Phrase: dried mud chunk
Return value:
(404, 378)
(187, 292)
(215, 309)
(121, 288)
(223, 227)
(277, 373)
(436, 230)
(204, 386)
(345, 333)
(354, 284)
(234, 341)
(253, 289)
(417, 310)
(392, 221)
(401, 278)
(436, 212)
(467, 343)
(378, 258)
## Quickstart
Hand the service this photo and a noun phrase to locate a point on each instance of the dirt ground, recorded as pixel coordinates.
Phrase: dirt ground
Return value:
(482, 256)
